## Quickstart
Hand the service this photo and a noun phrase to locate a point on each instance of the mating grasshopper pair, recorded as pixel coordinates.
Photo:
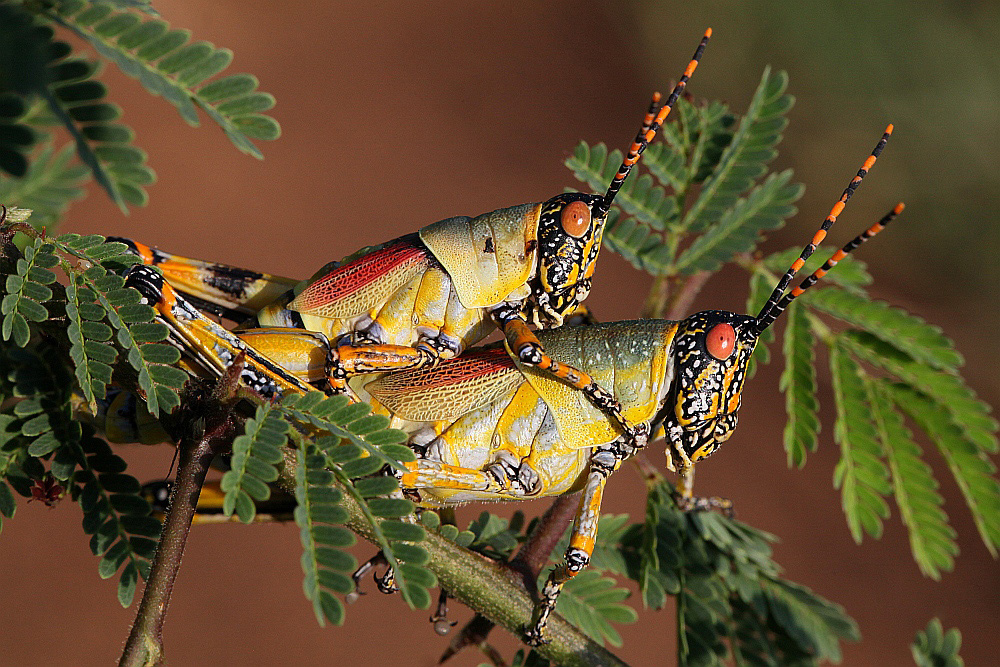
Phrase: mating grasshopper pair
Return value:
(543, 414)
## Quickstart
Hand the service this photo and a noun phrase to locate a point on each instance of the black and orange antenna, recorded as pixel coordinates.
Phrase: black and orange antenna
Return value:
(777, 302)
(851, 245)
(652, 124)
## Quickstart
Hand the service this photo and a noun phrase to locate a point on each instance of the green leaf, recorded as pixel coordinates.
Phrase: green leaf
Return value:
(932, 540)
(933, 647)
(816, 625)
(167, 64)
(659, 549)
(93, 359)
(131, 320)
(252, 465)
(949, 390)
(23, 63)
(104, 147)
(860, 475)
(798, 381)
(398, 530)
(632, 240)
(309, 499)
(973, 470)
(738, 229)
(924, 342)
(115, 514)
(592, 603)
(747, 155)
(20, 305)
(336, 417)
(7, 503)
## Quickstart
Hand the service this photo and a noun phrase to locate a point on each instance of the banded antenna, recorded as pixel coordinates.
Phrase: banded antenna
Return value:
(651, 125)
(778, 300)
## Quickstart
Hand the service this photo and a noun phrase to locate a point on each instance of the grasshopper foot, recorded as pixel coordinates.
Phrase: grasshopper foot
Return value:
(535, 635)
(385, 582)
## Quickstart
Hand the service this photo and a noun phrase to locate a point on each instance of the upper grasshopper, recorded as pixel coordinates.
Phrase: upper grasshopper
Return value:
(410, 302)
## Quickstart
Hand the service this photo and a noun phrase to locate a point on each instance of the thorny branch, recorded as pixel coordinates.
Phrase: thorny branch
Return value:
(529, 561)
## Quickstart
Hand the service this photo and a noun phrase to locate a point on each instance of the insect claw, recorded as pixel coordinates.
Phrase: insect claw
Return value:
(387, 582)
(370, 565)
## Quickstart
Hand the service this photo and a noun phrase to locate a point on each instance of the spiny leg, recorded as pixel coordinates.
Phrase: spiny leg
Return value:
(424, 474)
(310, 356)
(227, 291)
(581, 543)
(357, 360)
(210, 345)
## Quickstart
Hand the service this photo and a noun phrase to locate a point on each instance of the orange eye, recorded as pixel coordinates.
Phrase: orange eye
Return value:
(576, 219)
(721, 341)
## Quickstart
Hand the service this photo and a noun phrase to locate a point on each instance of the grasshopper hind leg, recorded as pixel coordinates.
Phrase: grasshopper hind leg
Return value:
(221, 289)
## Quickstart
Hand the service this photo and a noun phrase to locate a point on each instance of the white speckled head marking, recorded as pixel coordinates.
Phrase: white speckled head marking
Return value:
(700, 412)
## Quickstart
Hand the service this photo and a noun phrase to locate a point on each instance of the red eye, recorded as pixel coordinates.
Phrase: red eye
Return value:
(576, 219)
(721, 341)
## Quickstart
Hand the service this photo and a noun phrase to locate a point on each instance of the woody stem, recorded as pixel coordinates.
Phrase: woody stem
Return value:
(145, 642)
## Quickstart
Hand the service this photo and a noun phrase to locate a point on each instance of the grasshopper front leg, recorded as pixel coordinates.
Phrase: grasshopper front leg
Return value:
(604, 461)
(524, 344)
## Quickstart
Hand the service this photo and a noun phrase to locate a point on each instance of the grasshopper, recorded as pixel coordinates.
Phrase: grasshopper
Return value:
(411, 302)
(488, 427)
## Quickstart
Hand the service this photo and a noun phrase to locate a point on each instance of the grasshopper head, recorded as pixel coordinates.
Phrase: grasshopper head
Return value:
(570, 227)
(711, 350)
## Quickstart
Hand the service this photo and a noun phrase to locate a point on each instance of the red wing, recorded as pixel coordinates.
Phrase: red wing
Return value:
(449, 390)
(365, 282)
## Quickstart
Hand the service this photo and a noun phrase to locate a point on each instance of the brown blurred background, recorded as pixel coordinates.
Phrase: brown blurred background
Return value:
(398, 114)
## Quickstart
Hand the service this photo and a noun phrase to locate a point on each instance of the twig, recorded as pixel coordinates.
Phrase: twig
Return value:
(145, 642)
(679, 303)
(207, 428)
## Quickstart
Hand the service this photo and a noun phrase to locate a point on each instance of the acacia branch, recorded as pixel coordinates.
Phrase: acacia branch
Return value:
(145, 642)
(488, 588)
(529, 561)
(207, 428)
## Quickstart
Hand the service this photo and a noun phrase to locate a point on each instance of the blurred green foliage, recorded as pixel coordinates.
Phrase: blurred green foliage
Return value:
(932, 68)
